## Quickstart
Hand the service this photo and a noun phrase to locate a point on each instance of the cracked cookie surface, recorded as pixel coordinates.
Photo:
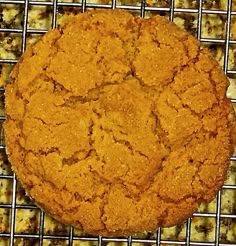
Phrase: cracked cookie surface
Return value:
(117, 124)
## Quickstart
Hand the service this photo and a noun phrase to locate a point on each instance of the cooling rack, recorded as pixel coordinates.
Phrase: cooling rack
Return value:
(184, 234)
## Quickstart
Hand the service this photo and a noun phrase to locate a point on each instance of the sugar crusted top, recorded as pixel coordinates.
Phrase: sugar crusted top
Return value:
(118, 124)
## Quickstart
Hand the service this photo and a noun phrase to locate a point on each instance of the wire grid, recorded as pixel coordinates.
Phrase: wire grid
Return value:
(142, 8)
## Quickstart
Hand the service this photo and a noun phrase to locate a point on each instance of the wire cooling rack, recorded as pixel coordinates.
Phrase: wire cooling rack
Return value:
(10, 236)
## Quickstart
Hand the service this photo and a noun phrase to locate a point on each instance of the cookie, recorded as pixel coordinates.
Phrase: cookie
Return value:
(117, 124)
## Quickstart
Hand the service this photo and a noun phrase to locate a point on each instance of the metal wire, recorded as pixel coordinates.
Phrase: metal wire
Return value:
(71, 236)
(158, 241)
(113, 4)
(13, 210)
(199, 22)
(41, 226)
(54, 14)
(218, 210)
(83, 5)
(188, 231)
(143, 8)
(130, 7)
(172, 9)
(227, 36)
(142, 11)
(99, 240)
(25, 25)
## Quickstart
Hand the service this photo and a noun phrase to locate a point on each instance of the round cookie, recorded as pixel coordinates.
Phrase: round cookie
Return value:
(116, 124)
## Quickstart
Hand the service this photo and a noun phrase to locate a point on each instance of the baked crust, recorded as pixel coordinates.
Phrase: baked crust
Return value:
(117, 124)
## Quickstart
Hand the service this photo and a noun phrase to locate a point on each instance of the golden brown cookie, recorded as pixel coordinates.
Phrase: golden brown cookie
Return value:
(117, 124)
